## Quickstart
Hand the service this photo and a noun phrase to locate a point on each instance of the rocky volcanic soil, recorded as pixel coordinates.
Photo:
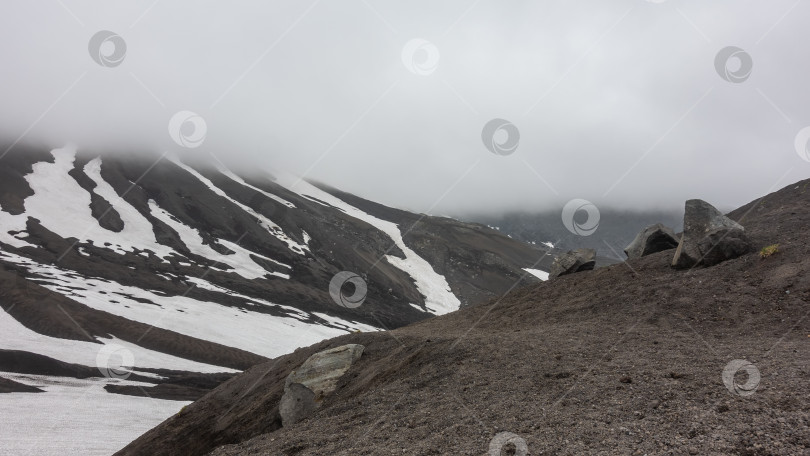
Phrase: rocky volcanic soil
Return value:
(626, 359)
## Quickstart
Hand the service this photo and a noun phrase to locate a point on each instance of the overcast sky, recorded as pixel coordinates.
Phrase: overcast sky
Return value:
(620, 103)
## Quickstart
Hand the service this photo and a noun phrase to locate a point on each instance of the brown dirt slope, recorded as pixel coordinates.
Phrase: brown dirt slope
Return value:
(626, 359)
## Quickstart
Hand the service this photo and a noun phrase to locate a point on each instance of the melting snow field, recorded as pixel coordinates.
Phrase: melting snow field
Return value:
(439, 300)
(75, 417)
(63, 206)
(18, 337)
(260, 333)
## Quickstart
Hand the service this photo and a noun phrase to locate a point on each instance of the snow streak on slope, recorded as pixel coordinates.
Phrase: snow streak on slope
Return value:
(238, 179)
(75, 417)
(260, 333)
(63, 206)
(240, 261)
(268, 224)
(18, 337)
(136, 226)
(439, 299)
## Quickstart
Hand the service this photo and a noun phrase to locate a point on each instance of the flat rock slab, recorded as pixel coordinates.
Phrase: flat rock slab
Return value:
(653, 239)
(709, 237)
(572, 262)
(307, 386)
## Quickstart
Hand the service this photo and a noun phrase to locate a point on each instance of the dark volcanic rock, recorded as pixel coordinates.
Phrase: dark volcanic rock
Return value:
(654, 238)
(573, 261)
(709, 237)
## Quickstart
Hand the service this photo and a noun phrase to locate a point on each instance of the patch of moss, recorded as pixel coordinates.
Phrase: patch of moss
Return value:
(769, 250)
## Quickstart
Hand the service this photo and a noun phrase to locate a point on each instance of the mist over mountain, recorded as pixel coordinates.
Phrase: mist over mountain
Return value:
(622, 104)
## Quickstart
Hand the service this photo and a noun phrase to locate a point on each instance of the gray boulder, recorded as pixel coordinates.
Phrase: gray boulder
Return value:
(307, 386)
(297, 402)
(654, 238)
(573, 261)
(709, 237)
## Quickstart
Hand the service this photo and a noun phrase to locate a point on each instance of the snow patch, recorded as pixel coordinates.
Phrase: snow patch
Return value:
(240, 261)
(260, 333)
(75, 417)
(18, 337)
(265, 222)
(238, 179)
(63, 206)
(542, 275)
(439, 299)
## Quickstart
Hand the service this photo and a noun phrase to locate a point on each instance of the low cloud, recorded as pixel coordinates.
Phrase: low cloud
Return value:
(620, 103)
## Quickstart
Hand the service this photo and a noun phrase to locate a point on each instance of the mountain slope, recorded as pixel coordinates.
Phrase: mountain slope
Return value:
(626, 359)
(163, 276)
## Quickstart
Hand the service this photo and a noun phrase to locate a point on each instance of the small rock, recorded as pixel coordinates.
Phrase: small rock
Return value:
(572, 262)
(654, 238)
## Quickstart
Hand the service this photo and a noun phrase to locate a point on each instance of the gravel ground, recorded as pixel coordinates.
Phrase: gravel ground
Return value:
(626, 359)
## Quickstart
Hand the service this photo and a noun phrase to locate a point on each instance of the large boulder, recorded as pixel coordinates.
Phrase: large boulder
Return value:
(307, 386)
(654, 238)
(573, 261)
(709, 237)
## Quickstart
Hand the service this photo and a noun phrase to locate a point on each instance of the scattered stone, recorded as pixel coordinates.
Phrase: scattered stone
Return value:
(573, 261)
(722, 408)
(709, 237)
(654, 238)
(626, 379)
(307, 386)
